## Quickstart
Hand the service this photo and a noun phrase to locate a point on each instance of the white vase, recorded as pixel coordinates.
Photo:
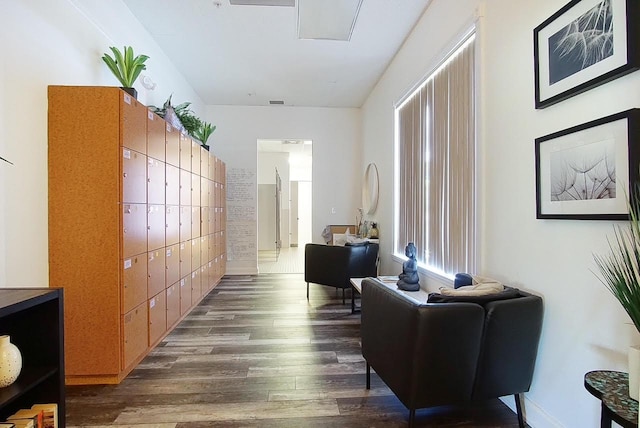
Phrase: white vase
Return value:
(634, 372)
(10, 362)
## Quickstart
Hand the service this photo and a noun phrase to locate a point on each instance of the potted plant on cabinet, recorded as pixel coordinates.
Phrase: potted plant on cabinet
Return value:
(204, 132)
(183, 118)
(620, 273)
(125, 67)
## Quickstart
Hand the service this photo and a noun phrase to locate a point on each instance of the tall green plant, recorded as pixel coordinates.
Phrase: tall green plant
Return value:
(204, 132)
(125, 67)
(620, 269)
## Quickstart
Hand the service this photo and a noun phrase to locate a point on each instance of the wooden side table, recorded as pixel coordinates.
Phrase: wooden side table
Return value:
(419, 296)
(612, 388)
(356, 285)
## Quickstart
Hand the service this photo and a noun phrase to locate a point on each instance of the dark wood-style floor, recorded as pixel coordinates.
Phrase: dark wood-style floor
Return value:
(255, 353)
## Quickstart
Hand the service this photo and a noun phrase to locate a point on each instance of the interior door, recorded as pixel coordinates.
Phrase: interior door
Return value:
(293, 222)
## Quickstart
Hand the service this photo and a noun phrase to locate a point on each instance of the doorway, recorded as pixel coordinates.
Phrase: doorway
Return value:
(284, 204)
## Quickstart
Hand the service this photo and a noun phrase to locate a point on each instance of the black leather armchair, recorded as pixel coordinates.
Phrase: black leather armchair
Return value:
(334, 265)
(433, 354)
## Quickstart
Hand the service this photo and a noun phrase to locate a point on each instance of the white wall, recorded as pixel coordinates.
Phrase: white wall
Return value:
(584, 327)
(55, 42)
(337, 152)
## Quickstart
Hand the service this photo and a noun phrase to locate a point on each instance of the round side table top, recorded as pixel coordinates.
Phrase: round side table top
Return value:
(613, 389)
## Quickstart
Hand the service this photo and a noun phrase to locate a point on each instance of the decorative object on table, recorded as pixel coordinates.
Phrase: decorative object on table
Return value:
(373, 231)
(346, 238)
(583, 45)
(619, 273)
(633, 358)
(10, 361)
(370, 189)
(462, 279)
(408, 280)
(582, 171)
(359, 221)
(125, 67)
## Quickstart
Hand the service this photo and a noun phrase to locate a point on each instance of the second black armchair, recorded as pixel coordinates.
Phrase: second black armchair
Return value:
(334, 265)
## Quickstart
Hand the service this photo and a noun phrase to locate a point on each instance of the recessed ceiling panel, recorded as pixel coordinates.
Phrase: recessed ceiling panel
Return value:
(289, 3)
(327, 19)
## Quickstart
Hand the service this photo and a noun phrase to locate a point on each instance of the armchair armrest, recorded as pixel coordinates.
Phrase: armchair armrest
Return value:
(510, 346)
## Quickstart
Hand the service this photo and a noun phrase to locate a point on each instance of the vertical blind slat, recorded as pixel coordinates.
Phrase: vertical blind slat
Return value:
(436, 150)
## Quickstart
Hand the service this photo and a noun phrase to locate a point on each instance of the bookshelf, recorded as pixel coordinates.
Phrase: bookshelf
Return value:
(33, 317)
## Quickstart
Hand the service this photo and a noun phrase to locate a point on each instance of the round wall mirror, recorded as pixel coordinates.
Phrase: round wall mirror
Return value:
(370, 189)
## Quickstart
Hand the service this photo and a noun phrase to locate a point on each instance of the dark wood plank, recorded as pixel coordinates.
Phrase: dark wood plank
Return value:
(256, 353)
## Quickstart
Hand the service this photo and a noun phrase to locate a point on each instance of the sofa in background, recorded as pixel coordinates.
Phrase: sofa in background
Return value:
(432, 354)
(334, 265)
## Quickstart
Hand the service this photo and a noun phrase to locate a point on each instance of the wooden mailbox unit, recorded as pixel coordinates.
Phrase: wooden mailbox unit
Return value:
(136, 227)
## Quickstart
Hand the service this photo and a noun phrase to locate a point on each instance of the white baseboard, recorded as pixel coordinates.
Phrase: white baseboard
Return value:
(534, 415)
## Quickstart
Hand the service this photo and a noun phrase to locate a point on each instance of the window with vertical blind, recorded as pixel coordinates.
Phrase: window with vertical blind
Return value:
(435, 166)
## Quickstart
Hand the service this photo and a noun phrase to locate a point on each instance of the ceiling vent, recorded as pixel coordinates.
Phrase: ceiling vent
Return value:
(288, 3)
(276, 102)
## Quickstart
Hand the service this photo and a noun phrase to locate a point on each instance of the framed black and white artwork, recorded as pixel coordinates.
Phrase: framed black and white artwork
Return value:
(583, 45)
(585, 172)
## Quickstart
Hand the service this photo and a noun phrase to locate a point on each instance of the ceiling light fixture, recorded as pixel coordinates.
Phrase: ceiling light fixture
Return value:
(327, 19)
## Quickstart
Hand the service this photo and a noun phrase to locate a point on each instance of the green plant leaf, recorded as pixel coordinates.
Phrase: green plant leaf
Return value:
(126, 68)
(121, 66)
(204, 132)
(620, 269)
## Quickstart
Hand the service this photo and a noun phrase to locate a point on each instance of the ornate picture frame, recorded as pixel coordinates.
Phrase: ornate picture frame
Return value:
(583, 45)
(585, 172)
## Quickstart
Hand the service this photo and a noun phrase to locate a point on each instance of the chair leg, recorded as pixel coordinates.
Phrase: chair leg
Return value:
(307, 291)
(343, 296)
(412, 417)
(519, 410)
(368, 376)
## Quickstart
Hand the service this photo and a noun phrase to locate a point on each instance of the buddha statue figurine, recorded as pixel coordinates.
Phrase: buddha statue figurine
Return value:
(408, 280)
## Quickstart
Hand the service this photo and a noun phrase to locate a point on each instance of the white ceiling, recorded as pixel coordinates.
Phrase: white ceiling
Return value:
(250, 55)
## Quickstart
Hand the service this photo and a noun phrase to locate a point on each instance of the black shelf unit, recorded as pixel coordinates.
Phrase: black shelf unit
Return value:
(34, 318)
